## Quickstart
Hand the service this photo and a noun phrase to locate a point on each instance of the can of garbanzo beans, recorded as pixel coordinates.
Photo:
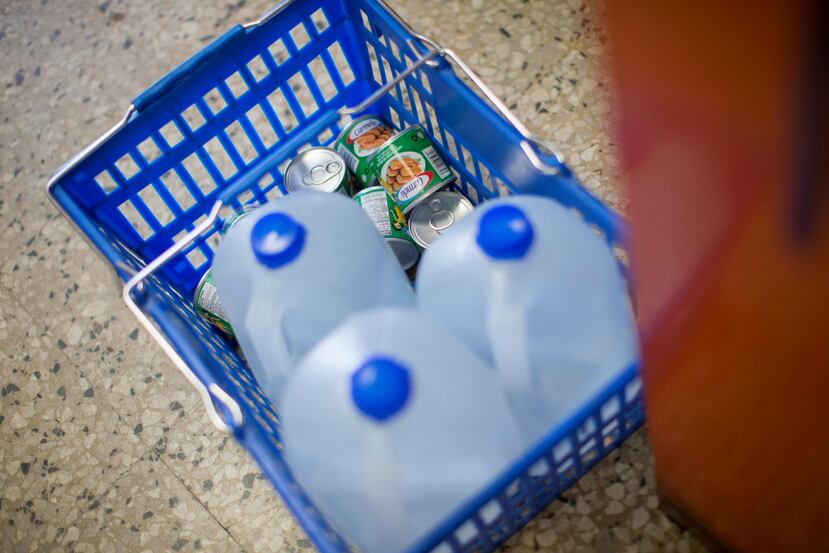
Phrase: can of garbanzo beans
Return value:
(358, 141)
(208, 305)
(389, 221)
(409, 168)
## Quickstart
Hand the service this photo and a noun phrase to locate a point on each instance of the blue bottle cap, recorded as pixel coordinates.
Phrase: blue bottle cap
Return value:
(504, 232)
(380, 387)
(276, 239)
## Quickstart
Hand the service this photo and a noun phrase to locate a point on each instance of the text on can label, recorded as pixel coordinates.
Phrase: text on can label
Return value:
(361, 129)
(411, 188)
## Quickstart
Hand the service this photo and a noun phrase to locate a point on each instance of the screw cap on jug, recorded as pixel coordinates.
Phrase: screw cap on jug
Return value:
(277, 239)
(504, 232)
(380, 387)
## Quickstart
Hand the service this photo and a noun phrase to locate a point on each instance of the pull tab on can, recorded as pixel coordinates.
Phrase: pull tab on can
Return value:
(441, 218)
(436, 215)
(320, 169)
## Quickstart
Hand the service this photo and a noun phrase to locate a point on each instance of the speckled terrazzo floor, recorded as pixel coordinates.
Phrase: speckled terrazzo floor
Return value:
(104, 445)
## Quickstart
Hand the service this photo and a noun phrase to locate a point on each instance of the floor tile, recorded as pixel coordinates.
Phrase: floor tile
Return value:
(57, 277)
(149, 509)
(62, 443)
(613, 507)
(60, 281)
(224, 478)
(139, 381)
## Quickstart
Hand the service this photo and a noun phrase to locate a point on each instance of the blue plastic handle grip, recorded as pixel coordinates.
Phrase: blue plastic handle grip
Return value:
(174, 77)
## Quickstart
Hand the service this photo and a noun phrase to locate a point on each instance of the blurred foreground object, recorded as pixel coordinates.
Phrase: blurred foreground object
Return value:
(722, 114)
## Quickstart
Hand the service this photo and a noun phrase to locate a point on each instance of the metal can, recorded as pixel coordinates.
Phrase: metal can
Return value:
(236, 216)
(358, 141)
(389, 221)
(209, 306)
(409, 168)
(436, 215)
(320, 169)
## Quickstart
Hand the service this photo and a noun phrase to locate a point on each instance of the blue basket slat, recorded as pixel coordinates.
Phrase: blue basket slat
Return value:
(138, 216)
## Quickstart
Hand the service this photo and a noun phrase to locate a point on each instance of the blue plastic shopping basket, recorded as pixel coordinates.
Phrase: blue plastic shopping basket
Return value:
(215, 133)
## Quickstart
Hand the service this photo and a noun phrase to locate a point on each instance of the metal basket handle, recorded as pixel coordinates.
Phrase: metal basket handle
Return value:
(210, 393)
(531, 143)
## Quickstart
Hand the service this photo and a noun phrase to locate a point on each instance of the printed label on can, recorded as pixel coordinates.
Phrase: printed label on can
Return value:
(382, 211)
(389, 221)
(410, 168)
(359, 141)
(208, 305)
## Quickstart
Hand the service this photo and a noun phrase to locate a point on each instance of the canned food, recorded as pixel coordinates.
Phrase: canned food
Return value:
(236, 216)
(357, 143)
(320, 169)
(436, 215)
(388, 219)
(207, 303)
(409, 167)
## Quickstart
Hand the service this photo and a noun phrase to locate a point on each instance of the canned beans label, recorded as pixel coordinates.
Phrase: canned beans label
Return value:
(208, 305)
(368, 135)
(410, 168)
(359, 141)
(382, 211)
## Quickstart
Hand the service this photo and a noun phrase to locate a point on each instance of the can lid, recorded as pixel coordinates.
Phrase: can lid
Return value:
(236, 216)
(276, 240)
(406, 251)
(318, 168)
(435, 214)
(368, 190)
(380, 388)
(504, 232)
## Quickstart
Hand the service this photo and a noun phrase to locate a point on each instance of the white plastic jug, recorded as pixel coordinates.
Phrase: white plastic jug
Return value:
(291, 271)
(540, 297)
(391, 423)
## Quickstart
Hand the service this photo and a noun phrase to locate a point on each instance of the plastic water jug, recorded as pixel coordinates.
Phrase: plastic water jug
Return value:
(391, 423)
(291, 271)
(540, 297)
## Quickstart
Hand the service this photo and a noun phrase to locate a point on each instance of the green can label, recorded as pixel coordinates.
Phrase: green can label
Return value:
(409, 168)
(389, 221)
(359, 141)
(207, 303)
(383, 212)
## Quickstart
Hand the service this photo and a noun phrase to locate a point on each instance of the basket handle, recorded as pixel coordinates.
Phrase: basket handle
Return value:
(537, 150)
(542, 155)
(374, 96)
(228, 417)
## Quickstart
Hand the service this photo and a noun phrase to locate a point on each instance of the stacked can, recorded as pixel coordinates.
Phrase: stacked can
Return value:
(409, 167)
(358, 142)
(411, 172)
(206, 297)
(320, 169)
(436, 215)
(386, 216)
(209, 306)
